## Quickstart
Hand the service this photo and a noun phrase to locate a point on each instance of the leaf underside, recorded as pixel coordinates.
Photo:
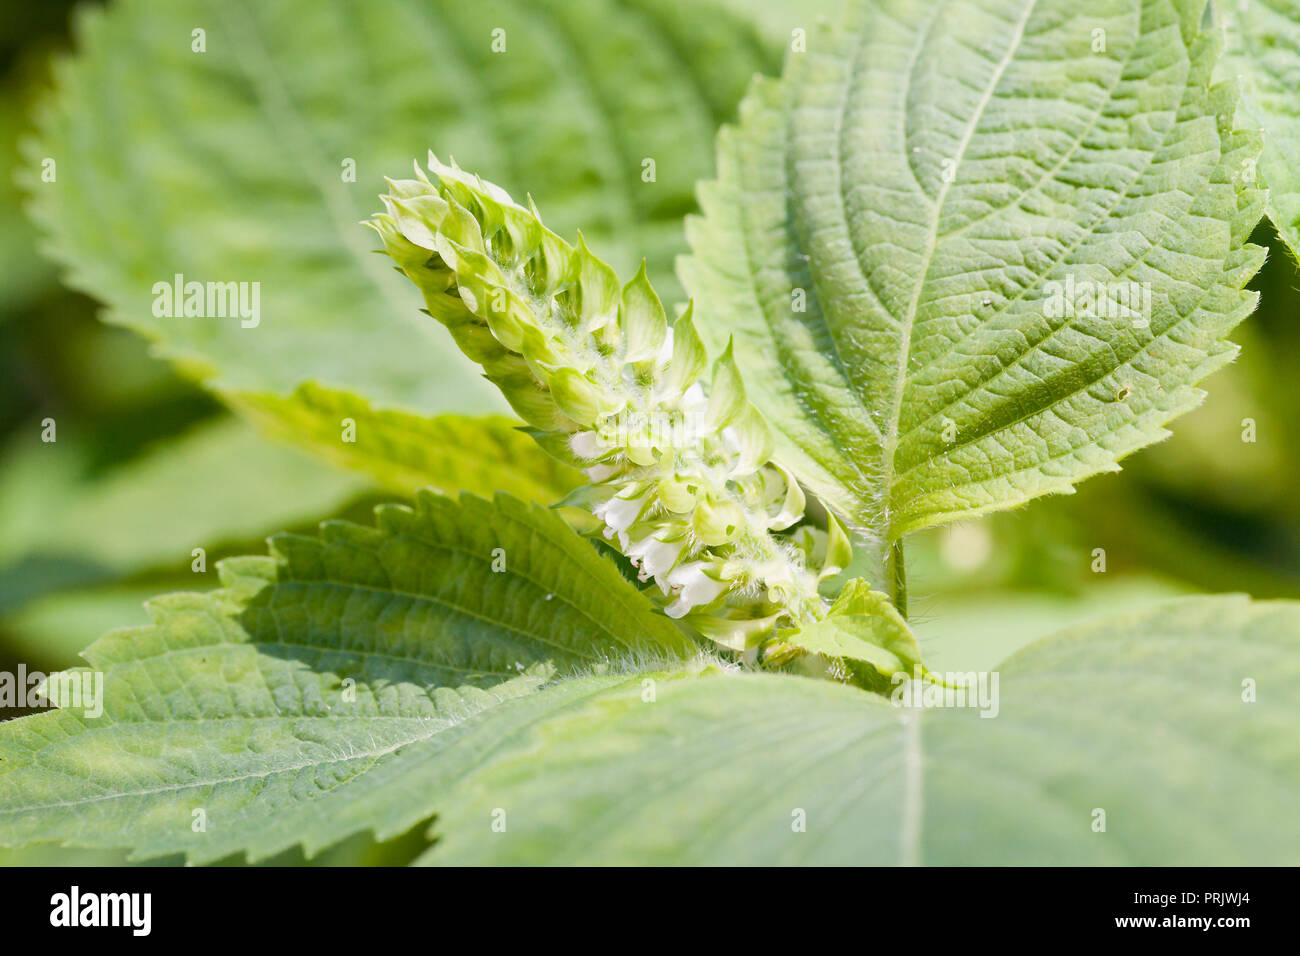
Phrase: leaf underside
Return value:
(914, 184)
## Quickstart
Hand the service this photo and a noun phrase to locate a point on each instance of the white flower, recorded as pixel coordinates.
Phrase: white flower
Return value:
(619, 513)
(655, 556)
(665, 350)
(695, 587)
(587, 445)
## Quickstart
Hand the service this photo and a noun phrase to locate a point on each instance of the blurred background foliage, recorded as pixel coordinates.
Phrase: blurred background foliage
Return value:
(149, 464)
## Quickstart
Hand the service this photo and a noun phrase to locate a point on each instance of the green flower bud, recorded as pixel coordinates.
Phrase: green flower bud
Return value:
(418, 218)
(678, 494)
(642, 319)
(839, 552)
(719, 522)
(577, 396)
(594, 290)
(689, 357)
(727, 395)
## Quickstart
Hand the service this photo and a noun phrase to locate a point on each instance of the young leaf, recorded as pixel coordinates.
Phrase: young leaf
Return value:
(862, 626)
(328, 689)
(1263, 55)
(1178, 724)
(978, 251)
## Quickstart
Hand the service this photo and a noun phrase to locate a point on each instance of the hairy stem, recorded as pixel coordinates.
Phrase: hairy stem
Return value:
(897, 574)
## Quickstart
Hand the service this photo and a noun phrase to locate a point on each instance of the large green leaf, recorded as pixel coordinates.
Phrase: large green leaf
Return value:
(914, 183)
(1146, 717)
(1141, 716)
(1263, 53)
(240, 702)
(228, 164)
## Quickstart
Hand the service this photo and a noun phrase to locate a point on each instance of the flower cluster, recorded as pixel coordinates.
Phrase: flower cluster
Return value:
(680, 473)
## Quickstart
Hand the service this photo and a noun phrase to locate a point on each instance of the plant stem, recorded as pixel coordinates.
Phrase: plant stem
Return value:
(897, 574)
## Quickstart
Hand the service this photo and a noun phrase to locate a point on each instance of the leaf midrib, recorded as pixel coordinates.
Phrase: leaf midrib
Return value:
(890, 445)
(1140, 260)
(448, 723)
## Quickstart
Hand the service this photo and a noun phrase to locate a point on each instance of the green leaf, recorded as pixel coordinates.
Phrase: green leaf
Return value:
(253, 185)
(862, 625)
(406, 453)
(328, 689)
(897, 220)
(1141, 716)
(1263, 54)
